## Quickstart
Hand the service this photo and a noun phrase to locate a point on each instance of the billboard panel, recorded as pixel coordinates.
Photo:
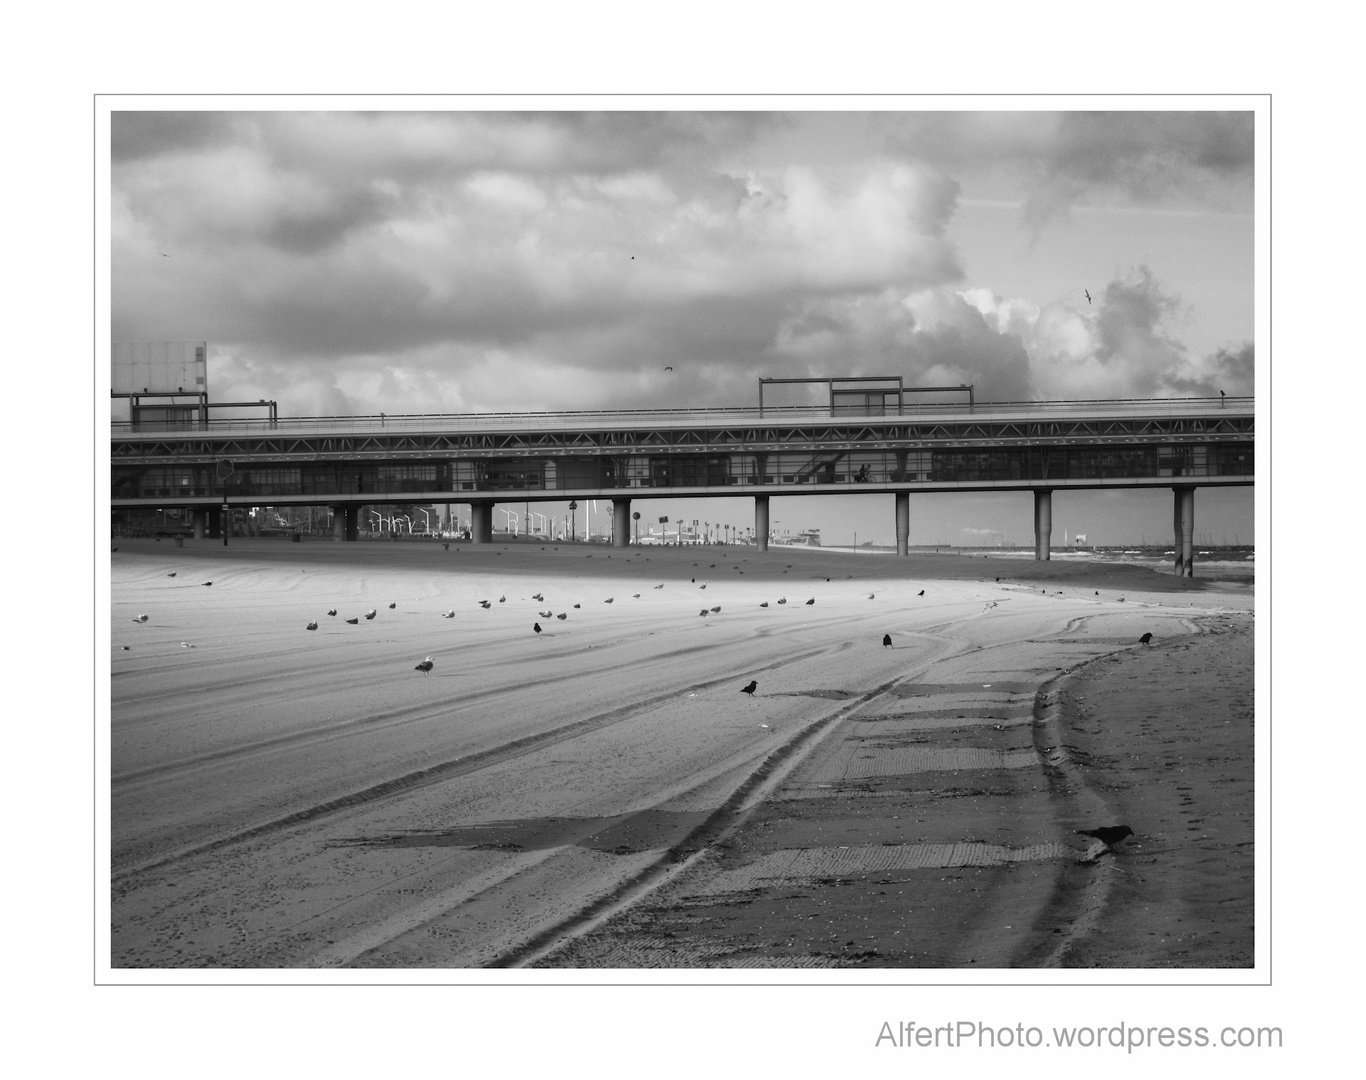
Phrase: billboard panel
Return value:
(160, 367)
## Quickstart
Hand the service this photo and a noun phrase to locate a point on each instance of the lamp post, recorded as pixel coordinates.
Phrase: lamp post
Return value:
(573, 521)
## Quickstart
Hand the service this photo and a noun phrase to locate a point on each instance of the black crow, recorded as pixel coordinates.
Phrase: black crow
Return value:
(1145, 639)
(536, 627)
(886, 641)
(750, 688)
(920, 593)
(425, 666)
(1109, 835)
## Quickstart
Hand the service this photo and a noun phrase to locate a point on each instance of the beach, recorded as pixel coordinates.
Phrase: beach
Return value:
(601, 794)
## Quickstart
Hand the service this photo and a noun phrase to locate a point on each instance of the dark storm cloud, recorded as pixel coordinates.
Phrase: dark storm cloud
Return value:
(137, 135)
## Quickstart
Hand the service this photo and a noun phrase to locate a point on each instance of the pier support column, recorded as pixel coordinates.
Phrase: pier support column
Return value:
(216, 523)
(349, 515)
(1185, 540)
(621, 522)
(903, 522)
(197, 519)
(1043, 524)
(761, 522)
(1179, 556)
(481, 522)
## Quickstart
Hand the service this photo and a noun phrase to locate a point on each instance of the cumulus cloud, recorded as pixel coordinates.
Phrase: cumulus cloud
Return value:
(413, 262)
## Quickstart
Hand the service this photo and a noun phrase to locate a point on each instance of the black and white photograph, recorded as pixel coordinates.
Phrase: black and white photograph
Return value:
(671, 538)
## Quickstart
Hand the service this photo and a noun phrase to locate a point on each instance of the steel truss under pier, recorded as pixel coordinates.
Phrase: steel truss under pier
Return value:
(348, 461)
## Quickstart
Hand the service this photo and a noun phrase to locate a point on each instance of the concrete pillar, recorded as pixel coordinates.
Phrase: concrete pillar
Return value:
(350, 514)
(481, 522)
(761, 521)
(197, 517)
(1043, 524)
(903, 522)
(1188, 530)
(621, 522)
(216, 523)
(1178, 559)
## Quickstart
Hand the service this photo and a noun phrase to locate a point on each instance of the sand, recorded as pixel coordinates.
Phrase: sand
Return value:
(602, 795)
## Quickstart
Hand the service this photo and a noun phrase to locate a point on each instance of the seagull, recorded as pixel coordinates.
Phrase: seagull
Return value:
(703, 612)
(502, 599)
(635, 596)
(450, 614)
(764, 604)
(392, 606)
(753, 685)
(311, 626)
(659, 586)
(782, 599)
(886, 641)
(333, 611)
(425, 666)
(171, 574)
(485, 604)
(609, 599)
(536, 627)
(354, 622)
(667, 368)
(1145, 639)
(1109, 835)
(1088, 295)
(208, 583)
(578, 605)
(140, 618)
(538, 597)
(545, 614)
(371, 613)
(716, 610)
(562, 616)
(870, 596)
(811, 601)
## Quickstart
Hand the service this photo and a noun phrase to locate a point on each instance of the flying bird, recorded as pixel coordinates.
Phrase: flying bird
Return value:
(425, 666)
(667, 368)
(311, 626)
(753, 685)
(886, 641)
(1109, 835)
(1145, 639)
(1088, 295)
(354, 622)
(536, 627)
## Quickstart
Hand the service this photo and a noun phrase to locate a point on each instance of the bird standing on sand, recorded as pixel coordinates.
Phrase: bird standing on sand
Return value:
(536, 627)
(450, 614)
(1145, 639)
(171, 574)
(920, 593)
(311, 626)
(764, 604)
(333, 611)
(753, 685)
(811, 601)
(485, 604)
(562, 616)
(392, 606)
(354, 622)
(886, 641)
(1109, 835)
(425, 666)
(371, 613)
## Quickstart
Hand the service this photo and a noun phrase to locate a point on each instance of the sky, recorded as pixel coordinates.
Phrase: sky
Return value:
(350, 263)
